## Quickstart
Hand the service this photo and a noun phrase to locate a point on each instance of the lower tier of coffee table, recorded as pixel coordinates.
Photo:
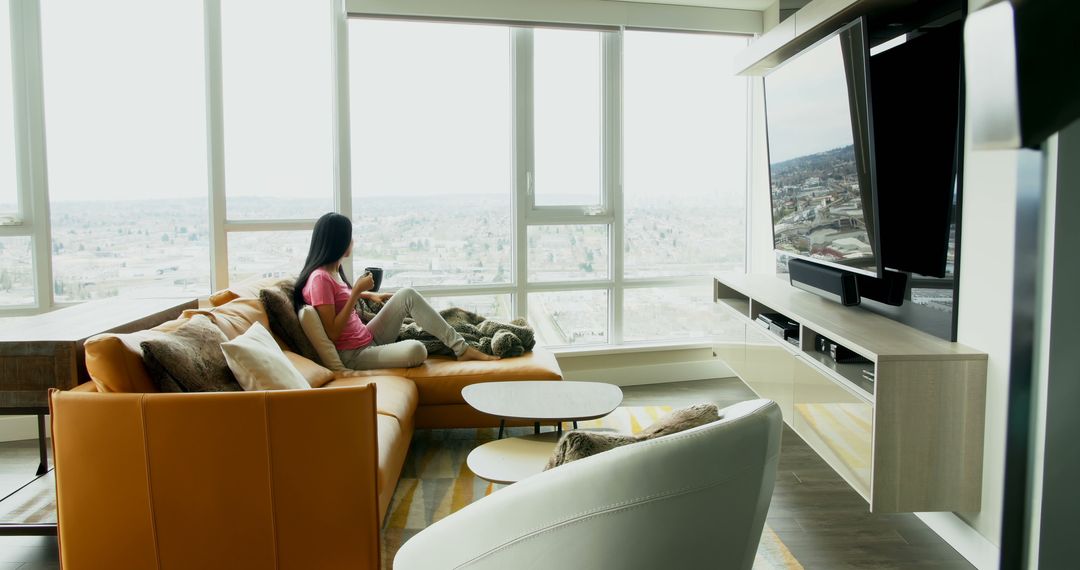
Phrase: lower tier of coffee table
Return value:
(512, 459)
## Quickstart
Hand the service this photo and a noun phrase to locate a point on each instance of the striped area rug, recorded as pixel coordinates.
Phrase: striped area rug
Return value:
(436, 482)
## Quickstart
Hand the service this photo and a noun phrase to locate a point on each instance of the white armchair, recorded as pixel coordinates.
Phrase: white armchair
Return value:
(695, 499)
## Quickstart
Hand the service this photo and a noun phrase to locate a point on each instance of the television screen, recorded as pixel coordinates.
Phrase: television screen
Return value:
(916, 94)
(820, 154)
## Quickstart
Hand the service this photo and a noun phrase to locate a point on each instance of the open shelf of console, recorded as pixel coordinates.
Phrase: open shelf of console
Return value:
(904, 426)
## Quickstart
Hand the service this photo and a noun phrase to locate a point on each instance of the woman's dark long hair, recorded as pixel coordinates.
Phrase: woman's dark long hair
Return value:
(329, 241)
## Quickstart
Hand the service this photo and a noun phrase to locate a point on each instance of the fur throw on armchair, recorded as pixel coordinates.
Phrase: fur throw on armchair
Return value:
(581, 444)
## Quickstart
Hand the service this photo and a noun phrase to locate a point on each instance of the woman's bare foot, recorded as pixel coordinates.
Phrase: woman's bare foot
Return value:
(473, 354)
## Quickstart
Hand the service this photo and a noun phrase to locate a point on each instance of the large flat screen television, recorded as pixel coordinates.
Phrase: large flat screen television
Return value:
(821, 156)
(916, 93)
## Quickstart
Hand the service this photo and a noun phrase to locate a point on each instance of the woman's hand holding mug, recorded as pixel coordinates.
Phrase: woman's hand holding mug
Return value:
(364, 283)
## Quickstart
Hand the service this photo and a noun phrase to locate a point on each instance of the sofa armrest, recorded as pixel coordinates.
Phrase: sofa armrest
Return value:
(217, 480)
(86, 387)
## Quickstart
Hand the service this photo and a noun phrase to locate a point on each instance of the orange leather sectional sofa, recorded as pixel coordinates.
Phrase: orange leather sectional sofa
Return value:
(428, 396)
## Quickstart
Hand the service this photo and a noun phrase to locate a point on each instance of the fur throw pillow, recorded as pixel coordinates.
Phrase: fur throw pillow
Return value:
(581, 444)
(284, 321)
(189, 359)
(681, 420)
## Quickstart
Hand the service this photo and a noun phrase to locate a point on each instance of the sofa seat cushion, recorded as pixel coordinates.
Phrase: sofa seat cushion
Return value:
(394, 396)
(439, 380)
(315, 374)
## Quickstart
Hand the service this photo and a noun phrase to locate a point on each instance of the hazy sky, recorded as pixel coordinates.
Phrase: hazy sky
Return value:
(684, 111)
(807, 104)
(124, 99)
(431, 105)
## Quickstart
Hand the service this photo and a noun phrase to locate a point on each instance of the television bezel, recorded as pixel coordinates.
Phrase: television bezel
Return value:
(863, 94)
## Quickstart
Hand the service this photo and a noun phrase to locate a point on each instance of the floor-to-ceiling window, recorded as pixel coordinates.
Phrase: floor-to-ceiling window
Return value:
(591, 180)
(588, 179)
(684, 179)
(277, 122)
(125, 128)
(431, 151)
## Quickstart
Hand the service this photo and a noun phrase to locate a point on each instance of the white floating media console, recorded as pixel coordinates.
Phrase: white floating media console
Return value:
(909, 441)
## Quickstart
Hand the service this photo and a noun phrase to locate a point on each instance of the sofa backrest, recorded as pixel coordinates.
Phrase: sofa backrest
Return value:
(281, 479)
(115, 362)
(248, 288)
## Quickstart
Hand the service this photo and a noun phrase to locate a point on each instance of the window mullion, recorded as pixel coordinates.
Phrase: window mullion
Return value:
(215, 145)
(612, 174)
(521, 61)
(342, 142)
(29, 97)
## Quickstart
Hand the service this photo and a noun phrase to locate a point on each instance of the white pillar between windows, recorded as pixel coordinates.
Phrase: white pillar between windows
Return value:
(342, 142)
(215, 146)
(29, 98)
(613, 175)
(521, 58)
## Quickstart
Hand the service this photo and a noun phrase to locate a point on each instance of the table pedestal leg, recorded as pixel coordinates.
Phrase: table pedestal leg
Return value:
(502, 426)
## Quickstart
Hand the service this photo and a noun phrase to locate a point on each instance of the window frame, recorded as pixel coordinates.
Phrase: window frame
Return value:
(32, 218)
(608, 213)
(34, 196)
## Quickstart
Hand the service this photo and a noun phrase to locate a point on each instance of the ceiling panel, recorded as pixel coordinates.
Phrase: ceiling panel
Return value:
(734, 4)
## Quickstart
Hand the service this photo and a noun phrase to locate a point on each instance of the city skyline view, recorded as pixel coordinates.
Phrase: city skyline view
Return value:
(161, 248)
(818, 209)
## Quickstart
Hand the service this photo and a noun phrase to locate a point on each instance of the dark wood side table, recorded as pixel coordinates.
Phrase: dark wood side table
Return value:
(46, 351)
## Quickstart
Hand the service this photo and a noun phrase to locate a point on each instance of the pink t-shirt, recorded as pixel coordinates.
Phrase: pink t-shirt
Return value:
(322, 289)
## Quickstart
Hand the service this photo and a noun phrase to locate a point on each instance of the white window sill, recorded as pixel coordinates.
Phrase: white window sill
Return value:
(604, 349)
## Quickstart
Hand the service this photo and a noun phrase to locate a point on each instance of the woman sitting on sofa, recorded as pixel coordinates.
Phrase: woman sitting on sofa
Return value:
(323, 285)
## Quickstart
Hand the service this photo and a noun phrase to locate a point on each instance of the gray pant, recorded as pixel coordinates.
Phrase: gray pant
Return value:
(384, 352)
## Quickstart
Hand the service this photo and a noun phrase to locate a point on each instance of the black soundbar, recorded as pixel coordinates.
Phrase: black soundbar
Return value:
(845, 287)
(834, 284)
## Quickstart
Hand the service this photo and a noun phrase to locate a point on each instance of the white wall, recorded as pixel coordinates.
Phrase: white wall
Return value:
(984, 311)
(984, 314)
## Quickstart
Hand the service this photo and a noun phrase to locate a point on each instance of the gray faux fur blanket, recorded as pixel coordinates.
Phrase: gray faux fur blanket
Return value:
(488, 336)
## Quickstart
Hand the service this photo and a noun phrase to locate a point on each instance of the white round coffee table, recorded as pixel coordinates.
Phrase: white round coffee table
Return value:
(513, 459)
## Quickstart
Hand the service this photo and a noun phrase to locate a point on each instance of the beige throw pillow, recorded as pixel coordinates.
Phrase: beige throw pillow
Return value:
(259, 364)
(313, 328)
